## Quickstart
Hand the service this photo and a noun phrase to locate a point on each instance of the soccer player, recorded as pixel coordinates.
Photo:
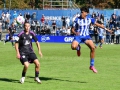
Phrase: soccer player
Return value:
(11, 31)
(81, 30)
(101, 33)
(24, 51)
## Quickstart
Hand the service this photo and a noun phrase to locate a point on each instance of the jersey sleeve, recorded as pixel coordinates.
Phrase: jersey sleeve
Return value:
(34, 36)
(17, 38)
(75, 23)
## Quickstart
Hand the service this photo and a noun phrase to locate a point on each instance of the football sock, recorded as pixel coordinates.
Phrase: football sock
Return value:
(100, 44)
(6, 41)
(23, 74)
(12, 43)
(92, 62)
(36, 73)
(78, 48)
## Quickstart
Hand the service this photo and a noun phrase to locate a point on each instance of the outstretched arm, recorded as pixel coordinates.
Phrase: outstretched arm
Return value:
(102, 26)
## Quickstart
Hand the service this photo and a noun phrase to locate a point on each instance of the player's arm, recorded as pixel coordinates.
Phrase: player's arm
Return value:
(37, 44)
(16, 47)
(73, 31)
(101, 26)
(75, 24)
(39, 49)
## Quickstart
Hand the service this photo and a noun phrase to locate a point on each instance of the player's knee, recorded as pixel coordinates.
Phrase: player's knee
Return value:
(37, 65)
(26, 66)
(73, 47)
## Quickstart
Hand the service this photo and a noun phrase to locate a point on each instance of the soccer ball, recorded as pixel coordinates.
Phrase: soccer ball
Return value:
(20, 20)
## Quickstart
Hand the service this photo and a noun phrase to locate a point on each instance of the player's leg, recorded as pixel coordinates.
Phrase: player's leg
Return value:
(24, 61)
(75, 45)
(37, 68)
(101, 42)
(26, 65)
(7, 40)
(12, 41)
(90, 44)
(34, 59)
(98, 41)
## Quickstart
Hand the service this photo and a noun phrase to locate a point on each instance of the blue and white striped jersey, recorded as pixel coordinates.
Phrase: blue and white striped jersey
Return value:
(82, 25)
(101, 32)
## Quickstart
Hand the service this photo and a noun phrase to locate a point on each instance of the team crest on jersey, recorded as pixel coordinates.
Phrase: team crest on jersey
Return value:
(27, 42)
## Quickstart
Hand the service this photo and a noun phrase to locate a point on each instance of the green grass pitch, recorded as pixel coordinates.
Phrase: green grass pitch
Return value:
(61, 69)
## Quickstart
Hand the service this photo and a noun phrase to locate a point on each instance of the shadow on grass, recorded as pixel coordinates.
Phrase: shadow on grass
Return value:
(9, 80)
(41, 78)
(50, 78)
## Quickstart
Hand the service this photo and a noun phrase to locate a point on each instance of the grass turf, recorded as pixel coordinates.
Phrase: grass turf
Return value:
(61, 69)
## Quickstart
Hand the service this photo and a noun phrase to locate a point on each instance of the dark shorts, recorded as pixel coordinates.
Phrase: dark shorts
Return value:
(28, 58)
(10, 36)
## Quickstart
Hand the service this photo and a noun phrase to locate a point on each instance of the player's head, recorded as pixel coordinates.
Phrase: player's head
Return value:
(12, 24)
(84, 12)
(27, 26)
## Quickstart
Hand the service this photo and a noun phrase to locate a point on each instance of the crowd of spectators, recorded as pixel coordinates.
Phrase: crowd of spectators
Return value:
(43, 27)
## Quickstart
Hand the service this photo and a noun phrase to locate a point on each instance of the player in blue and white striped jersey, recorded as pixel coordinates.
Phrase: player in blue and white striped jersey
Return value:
(81, 31)
(101, 33)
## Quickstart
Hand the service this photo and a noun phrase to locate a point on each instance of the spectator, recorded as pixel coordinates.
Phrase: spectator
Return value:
(20, 14)
(0, 31)
(102, 18)
(15, 15)
(63, 31)
(28, 17)
(33, 26)
(117, 34)
(113, 36)
(67, 22)
(68, 31)
(6, 21)
(96, 35)
(108, 39)
(42, 20)
(63, 21)
(34, 16)
(38, 31)
(38, 28)
(91, 30)
(8, 16)
(58, 32)
(53, 28)
(42, 32)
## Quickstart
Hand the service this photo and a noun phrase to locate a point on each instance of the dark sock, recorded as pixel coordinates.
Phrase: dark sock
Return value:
(12, 43)
(23, 74)
(36, 73)
(6, 41)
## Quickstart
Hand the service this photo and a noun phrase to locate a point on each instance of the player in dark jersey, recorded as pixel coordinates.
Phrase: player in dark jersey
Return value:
(11, 31)
(24, 51)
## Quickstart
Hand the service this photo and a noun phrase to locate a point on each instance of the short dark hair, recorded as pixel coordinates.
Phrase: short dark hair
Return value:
(25, 23)
(85, 9)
